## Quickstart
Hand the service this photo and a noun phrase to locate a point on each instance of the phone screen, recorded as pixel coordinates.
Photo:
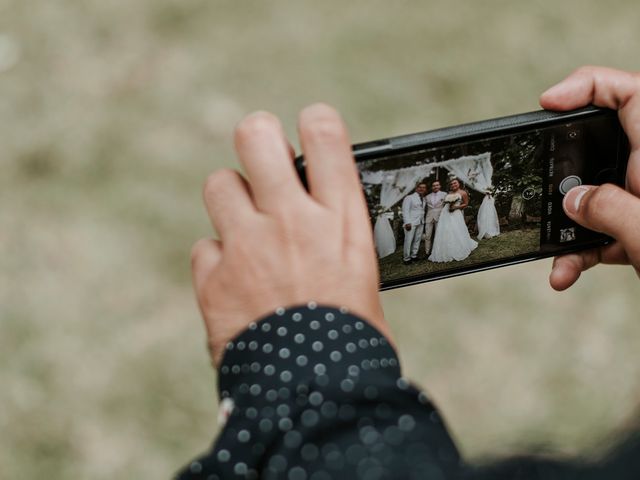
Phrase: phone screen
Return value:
(445, 210)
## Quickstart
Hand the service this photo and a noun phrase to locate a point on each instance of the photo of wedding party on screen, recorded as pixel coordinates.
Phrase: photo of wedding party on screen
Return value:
(455, 206)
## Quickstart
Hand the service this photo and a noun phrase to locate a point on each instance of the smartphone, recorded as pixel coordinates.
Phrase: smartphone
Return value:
(487, 194)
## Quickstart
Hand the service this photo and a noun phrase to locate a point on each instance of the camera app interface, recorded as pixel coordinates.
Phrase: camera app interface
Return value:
(479, 202)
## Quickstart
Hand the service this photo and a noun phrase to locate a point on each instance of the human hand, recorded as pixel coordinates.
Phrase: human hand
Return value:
(279, 244)
(607, 208)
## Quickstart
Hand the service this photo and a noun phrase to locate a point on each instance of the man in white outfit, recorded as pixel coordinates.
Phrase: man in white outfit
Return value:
(413, 218)
(434, 206)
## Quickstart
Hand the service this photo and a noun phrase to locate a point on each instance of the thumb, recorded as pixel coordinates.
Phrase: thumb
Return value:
(606, 209)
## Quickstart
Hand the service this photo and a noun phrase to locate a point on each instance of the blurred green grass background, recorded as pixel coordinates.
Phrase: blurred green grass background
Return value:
(113, 113)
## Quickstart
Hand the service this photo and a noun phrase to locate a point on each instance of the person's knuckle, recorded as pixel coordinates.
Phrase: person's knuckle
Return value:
(609, 193)
(601, 201)
(359, 243)
(197, 249)
(586, 70)
(326, 129)
(322, 122)
(257, 124)
(288, 215)
(218, 182)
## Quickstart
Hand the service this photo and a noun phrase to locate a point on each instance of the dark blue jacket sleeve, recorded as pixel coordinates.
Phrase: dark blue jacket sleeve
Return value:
(316, 393)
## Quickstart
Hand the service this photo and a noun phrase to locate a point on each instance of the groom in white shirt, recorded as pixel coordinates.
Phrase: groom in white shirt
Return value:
(434, 206)
(413, 218)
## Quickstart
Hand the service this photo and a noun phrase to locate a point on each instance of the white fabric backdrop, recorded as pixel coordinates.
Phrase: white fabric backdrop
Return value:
(474, 170)
(488, 224)
(396, 184)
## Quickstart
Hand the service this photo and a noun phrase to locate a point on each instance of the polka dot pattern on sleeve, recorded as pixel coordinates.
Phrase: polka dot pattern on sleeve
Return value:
(316, 392)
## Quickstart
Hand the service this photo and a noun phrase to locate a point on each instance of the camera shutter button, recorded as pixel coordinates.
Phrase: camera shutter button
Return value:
(568, 183)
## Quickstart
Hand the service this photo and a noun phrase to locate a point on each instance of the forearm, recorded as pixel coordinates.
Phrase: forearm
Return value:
(319, 390)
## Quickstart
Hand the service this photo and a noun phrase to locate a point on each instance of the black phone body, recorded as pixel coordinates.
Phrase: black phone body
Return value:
(514, 171)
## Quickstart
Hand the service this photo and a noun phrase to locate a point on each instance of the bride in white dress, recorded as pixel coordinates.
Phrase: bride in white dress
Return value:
(452, 240)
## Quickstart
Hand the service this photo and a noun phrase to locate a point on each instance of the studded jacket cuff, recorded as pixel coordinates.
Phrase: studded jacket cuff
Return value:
(296, 348)
(314, 393)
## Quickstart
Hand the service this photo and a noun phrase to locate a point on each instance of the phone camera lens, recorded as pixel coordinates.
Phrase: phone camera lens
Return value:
(572, 135)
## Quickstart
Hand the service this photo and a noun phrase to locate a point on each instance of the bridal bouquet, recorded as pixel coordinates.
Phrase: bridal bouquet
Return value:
(451, 198)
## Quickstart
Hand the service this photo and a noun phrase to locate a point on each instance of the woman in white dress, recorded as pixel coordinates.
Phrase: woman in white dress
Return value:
(452, 240)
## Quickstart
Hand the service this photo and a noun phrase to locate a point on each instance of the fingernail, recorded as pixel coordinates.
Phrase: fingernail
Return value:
(572, 199)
